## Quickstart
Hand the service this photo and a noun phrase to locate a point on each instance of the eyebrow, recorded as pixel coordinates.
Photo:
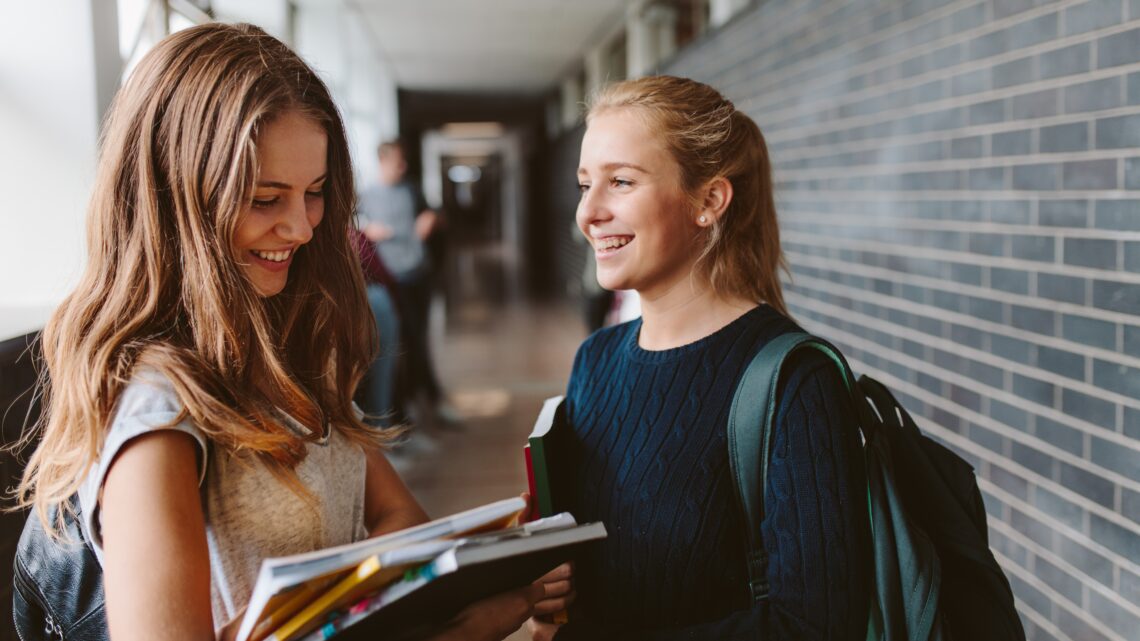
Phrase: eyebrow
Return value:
(280, 185)
(610, 166)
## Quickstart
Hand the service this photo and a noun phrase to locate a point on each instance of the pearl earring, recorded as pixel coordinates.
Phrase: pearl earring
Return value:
(703, 219)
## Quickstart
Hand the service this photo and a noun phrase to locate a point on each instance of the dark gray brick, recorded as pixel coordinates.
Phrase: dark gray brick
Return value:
(985, 309)
(1132, 257)
(1115, 537)
(1122, 460)
(1118, 132)
(968, 18)
(969, 147)
(1011, 143)
(986, 178)
(1090, 174)
(987, 244)
(1034, 390)
(1088, 408)
(1116, 297)
(1009, 212)
(1134, 9)
(1010, 348)
(1133, 88)
(1089, 485)
(1131, 423)
(1039, 248)
(1014, 72)
(1065, 289)
(985, 374)
(968, 336)
(1117, 378)
(1061, 362)
(948, 300)
(966, 398)
(987, 438)
(1063, 213)
(966, 274)
(1089, 331)
(1063, 436)
(1064, 62)
(1071, 137)
(1032, 459)
(968, 210)
(1118, 49)
(1036, 177)
(1095, 14)
(1105, 93)
(1132, 173)
(932, 384)
(1013, 281)
(1122, 215)
(1130, 582)
(1091, 252)
(1130, 503)
(1039, 104)
(1093, 564)
(1132, 340)
(1076, 626)
(986, 113)
(970, 82)
(1035, 320)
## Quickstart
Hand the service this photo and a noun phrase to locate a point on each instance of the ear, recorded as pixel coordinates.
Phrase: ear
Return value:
(715, 198)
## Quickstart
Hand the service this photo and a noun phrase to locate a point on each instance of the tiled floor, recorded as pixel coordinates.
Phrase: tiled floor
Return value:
(497, 363)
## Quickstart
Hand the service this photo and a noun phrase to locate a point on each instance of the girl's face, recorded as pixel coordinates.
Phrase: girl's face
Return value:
(632, 209)
(288, 200)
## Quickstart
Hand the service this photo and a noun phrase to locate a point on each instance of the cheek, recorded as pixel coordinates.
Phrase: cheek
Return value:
(316, 212)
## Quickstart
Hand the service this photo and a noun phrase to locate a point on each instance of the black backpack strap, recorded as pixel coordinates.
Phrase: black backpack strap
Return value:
(750, 422)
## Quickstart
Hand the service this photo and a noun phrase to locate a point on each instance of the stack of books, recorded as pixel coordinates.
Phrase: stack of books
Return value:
(409, 582)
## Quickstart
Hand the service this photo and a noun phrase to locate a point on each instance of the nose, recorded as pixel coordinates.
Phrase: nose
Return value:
(295, 225)
(591, 209)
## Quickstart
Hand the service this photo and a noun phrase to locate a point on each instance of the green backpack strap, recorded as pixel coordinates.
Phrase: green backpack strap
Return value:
(749, 438)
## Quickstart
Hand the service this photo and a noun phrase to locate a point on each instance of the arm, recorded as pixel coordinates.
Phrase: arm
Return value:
(815, 526)
(388, 504)
(156, 563)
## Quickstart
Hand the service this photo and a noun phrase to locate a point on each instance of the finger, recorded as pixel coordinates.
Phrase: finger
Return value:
(555, 589)
(560, 573)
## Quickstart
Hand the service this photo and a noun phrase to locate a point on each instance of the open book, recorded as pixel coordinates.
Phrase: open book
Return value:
(429, 595)
(286, 585)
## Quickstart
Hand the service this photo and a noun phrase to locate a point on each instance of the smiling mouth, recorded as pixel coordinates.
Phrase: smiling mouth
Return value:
(610, 244)
(273, 256)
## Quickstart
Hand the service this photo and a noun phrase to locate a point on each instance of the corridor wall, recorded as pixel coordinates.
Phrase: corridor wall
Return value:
(959, 194)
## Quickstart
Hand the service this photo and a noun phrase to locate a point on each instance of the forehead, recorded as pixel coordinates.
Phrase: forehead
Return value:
(622, 135)
(292, 144)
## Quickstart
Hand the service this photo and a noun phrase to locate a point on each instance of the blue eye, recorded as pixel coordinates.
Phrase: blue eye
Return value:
(621, 182)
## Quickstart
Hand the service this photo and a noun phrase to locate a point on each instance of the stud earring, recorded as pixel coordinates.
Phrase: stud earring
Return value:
(703, 219)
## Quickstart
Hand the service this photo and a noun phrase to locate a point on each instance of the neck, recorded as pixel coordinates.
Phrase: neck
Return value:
(686, 313)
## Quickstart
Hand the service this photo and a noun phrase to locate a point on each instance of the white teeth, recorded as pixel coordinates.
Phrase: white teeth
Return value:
(612, 242)
(275, 257)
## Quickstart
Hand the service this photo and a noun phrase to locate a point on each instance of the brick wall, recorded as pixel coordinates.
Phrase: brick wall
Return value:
(959, 187)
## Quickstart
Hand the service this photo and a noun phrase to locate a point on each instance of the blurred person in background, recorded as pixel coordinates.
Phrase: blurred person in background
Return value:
(376, 392)
(394, 215)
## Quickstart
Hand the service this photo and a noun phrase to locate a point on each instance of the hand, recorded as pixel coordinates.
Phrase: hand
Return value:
(494, 618)
(426, 223)
(558, 594)
(377, 232)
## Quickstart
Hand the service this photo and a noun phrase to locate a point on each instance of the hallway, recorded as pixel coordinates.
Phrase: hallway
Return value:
(497, 363)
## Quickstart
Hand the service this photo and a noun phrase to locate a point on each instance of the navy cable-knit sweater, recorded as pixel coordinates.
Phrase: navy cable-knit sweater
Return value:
(652, 464)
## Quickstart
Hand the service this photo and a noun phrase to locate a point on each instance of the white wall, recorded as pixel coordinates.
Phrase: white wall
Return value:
(52, 97)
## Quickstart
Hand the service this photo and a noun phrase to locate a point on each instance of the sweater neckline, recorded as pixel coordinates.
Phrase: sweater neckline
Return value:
(640, 354)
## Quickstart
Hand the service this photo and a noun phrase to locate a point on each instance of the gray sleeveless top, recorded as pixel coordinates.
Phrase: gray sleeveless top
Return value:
(250, 514)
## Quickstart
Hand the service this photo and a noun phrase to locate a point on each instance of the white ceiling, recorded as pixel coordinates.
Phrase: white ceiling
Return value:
(486, 45)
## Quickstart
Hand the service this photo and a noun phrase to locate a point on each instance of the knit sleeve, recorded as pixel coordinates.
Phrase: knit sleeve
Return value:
(815, 528)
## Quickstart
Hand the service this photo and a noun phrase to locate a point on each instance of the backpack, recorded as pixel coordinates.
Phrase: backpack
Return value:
(935, 577)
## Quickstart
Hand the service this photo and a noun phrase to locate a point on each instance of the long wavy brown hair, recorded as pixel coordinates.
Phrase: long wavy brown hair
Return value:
(710, 138)
(163, 288)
